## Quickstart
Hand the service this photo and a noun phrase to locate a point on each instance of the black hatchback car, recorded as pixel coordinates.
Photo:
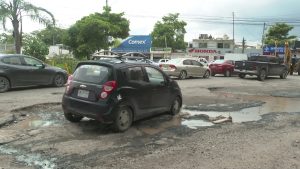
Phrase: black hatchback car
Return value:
(116, 92)
(21, 71)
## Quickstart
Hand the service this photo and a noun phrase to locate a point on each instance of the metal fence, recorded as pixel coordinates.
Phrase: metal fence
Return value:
(4, 48)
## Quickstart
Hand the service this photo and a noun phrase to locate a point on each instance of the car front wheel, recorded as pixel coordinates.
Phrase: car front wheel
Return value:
(284, 74)
(206, 74)
(176, 106)
(4, 84)
(182, 75)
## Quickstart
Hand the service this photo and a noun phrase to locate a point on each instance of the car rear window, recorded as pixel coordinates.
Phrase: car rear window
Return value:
(93, 74)
(219, 61)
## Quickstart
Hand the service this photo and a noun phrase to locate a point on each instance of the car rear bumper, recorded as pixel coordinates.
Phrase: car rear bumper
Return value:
(96, 110)
(249, 72)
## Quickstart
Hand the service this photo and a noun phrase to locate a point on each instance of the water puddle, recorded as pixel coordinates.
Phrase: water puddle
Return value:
(35, 160)
(201, 118)
(42, 123)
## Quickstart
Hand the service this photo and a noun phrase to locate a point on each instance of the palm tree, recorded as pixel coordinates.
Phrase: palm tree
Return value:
(14, 10)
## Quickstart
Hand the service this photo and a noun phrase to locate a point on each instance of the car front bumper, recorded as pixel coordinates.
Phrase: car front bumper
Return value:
(249, 72)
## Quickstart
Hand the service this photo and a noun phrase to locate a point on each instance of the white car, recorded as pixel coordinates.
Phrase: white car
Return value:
(162, 61)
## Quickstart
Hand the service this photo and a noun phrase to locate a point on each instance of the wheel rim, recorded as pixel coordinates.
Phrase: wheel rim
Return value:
(3, 83)
(124, 119)
(183, 75)
(176, 106)
(206, 74)
(262, 74)
(59, 80)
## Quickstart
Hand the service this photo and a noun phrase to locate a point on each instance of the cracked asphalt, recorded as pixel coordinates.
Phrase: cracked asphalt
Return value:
(265, 132)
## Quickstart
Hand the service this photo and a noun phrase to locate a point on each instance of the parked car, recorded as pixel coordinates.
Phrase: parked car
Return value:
(262, 67)
(22, 71)
(160, 61)
(225, 67)
(118, 92)
(185, 67)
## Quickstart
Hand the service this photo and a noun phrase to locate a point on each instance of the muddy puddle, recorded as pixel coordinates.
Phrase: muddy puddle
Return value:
(30, 159)
(196, 118)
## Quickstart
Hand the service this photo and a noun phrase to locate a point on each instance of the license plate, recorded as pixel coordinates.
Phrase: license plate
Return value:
(83, 93)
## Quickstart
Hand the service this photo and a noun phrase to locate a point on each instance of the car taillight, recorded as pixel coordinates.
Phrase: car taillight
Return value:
(172, 67)
(107, 89)
(160, 65)
(70, 78)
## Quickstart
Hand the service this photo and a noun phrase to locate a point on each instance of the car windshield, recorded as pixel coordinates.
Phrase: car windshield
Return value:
(175, 61)
(92, 74)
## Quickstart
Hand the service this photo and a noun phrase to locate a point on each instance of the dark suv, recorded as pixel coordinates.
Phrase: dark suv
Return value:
(113, 91)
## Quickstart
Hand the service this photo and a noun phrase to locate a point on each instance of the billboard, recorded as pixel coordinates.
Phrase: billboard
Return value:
(135, 43)
(267, 50)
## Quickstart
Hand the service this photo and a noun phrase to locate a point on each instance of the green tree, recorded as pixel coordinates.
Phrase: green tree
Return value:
(6, 38)
(15, 10)
(35, 47)
(169, 33)
(51, 35)
(280, 33)
(91, 32)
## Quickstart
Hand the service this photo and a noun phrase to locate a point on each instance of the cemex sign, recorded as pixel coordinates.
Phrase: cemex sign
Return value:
(135, 43)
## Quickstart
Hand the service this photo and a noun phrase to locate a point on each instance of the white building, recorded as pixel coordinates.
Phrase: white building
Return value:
(210, 48)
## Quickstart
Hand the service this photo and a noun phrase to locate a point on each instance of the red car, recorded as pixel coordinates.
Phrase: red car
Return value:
(224, 67)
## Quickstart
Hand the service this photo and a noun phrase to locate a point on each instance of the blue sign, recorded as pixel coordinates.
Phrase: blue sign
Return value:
(272, 49)
(136, 43)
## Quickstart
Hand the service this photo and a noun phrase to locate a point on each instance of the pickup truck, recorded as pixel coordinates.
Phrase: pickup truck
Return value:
(262, 67)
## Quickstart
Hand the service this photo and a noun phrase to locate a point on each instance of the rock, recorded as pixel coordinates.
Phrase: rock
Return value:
(34, 132)
(224, 120)
(6, 118)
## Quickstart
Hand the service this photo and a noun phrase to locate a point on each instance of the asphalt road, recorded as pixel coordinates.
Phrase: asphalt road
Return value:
(265, 132)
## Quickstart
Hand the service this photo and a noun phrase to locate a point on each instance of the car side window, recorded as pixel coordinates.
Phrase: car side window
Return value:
(155, 76)
(31, 62)
(187, 62)
(135, 74)
(13, 60)
(196, 63)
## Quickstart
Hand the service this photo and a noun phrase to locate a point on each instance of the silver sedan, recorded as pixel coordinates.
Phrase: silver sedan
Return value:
(185, 67)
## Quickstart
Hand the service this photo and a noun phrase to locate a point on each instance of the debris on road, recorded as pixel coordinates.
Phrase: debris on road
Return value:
(6, 118)
(223, 120)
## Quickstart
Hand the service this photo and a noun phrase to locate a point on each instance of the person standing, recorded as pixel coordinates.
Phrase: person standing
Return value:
(293, 65)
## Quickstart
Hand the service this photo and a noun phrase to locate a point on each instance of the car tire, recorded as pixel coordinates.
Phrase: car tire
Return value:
(206, 74)
(284, 74)
(182, 75)
(59, 80)
(227, 73)
(213, 74)
(4, 84)
(242, 76)
(262, 75)
(123, 118)
(72, 118)
(176, 106)
(298, 72)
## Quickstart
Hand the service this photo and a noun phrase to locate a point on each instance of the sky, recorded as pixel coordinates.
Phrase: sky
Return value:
(202, 16)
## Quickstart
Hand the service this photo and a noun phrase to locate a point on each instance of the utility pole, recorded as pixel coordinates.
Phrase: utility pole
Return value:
(263, 36)
(243, 45)
(233, 30)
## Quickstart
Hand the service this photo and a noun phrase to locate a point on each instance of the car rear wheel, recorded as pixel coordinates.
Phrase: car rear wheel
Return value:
(72, 117)
(123, 119)
(213, 74)
(262, 75)
(4, 84)
(206, 74)
(284, 74)
(59, 80)
(242, 75)
(176, 106)
(227, 73)
(182, 75)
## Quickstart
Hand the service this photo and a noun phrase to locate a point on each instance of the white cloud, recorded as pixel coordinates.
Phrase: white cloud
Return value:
(67, 12)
